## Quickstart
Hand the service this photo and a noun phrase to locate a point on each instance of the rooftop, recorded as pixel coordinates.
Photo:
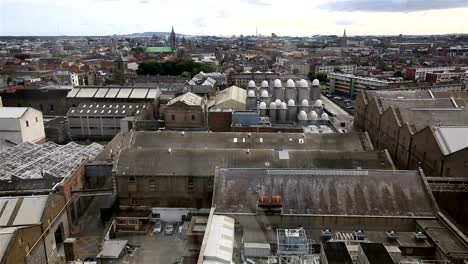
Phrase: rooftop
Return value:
(158, 49)
(245, 140)
(203, 162)
(189, 98)
(12, 112)
(109, 109)
(325, 192)
(26, 210)
(451, 138)
(32, 161)
(112, 92)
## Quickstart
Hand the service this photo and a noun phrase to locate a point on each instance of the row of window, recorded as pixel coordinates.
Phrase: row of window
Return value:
(27, 122)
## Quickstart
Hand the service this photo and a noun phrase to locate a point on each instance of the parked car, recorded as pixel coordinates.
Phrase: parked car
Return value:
(157, 227)
(169, 229)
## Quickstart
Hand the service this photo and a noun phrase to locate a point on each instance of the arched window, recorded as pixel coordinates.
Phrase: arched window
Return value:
(172, 117)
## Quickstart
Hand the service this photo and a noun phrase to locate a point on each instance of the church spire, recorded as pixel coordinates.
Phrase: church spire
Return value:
(173, 39)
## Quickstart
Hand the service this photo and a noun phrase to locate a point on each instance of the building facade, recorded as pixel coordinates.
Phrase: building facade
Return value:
(21, 124)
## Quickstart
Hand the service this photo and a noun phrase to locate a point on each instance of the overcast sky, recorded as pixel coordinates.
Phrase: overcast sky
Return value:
(229, 17)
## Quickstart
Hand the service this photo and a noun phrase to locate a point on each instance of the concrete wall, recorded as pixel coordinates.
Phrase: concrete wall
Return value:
(334, 222)
(177, 116)
(32, 126)
(165, 191)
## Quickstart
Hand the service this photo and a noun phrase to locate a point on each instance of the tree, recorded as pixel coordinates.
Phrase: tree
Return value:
(311, 76)
(295, 71)
(176, 67)
(398, 74)
(186, 74)
(321, 76)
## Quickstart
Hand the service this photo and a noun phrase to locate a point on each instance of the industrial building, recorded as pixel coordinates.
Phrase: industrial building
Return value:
(29, 168)
(21, 124)
(332, 216)
(344, 68)
(176, 169)
(33, 224)
(105, 120)
(230, 98)
(187, 111)
(295, 102)
(350, 84)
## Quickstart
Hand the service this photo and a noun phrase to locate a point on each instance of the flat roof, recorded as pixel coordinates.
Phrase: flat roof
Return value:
(325, 192)
(203, 162)
(355, 141)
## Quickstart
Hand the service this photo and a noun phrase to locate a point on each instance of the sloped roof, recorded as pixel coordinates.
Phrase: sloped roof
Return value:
(418, 119)
(189, 98)
(12, 112)
(451, 139)
(325, 192)
(232, 93)
(26, 210)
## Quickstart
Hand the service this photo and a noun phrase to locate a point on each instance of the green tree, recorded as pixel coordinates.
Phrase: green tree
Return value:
(311, 76)
(398, 74)
(186, 74)
(176, 67)
(321, 76)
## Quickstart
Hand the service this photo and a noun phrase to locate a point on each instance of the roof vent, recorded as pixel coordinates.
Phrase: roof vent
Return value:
(327, 234)
(420, 236)
(392, 235)
(359, 234)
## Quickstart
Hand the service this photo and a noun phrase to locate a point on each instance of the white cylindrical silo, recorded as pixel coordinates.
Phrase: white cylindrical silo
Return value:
(272, 112)
(290, 91)
(303, 90)
(265, 97)
(263, 109)
(251, 102)
(302, 117)
(324, 116)
(282, 113)
(313, 116)
(292, 110)
(315, 91)
(278, 90)
(251, 84)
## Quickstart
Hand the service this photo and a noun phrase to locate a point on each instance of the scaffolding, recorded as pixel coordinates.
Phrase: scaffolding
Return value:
(36, 161)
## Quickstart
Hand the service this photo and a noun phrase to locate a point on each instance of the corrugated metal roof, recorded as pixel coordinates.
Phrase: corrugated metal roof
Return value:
(12, 112)
(153, 93)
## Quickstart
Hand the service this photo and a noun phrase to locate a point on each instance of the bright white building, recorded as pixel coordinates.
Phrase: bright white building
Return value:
(21, 124)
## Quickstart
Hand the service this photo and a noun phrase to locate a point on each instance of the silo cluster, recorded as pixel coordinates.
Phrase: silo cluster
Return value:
(292, 102)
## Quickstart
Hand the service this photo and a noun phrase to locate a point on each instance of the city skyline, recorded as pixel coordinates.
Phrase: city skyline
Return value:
(206, 17)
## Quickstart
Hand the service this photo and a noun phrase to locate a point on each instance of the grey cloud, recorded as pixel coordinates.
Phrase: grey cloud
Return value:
(393, 5)
(257, 2)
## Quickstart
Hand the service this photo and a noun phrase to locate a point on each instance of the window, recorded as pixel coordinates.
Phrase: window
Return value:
(133, 222)
(152, 185)
(27, 123)
(51, 107)
(193, 117)
(172, 117)
(121, 221)
(37, 119)
(131, 179)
